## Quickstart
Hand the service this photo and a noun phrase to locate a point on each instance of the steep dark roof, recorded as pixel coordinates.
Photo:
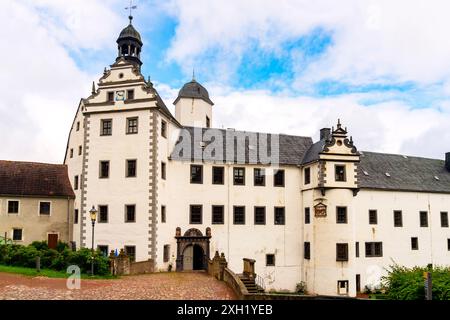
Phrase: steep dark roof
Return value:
(34, 179)
(130, 32)
(406, 173)
(291, 149)
(193, 89)
(313, 152)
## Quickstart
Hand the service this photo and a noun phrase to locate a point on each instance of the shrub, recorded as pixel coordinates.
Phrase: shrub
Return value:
(59, 259)
(408, 283)
(300, 288)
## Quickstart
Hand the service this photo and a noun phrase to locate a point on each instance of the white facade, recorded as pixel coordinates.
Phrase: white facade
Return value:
(151, 147)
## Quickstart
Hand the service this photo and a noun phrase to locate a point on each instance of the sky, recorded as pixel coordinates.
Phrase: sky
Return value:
(287, 66)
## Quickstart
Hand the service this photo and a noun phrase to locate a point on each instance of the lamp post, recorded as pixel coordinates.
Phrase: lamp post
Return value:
(93, 213)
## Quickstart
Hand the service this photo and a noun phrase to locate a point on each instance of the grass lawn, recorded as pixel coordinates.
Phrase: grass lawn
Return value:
(47, 273)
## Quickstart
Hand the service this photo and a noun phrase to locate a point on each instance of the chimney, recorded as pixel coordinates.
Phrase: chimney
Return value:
(325, 133)
(447, 161)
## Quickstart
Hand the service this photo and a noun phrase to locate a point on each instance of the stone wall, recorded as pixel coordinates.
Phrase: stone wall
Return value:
(122, 265)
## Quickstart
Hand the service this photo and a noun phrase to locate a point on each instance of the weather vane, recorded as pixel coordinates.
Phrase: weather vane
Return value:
(131, 7)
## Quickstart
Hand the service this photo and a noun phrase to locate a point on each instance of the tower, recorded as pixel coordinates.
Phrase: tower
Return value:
(130, 44)
(193, 107)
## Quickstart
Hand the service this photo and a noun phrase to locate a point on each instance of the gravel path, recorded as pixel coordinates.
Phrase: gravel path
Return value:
(168, 286)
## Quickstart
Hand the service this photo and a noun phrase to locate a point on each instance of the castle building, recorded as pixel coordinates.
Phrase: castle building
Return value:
(175, 190)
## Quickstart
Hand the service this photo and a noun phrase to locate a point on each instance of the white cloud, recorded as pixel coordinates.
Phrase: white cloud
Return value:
(41, 83)
(382, 41)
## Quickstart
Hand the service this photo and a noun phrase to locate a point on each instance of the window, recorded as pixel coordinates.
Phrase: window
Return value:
(342, 287)
(195, 216)
(414, 243)
(17, 234)
(339, 173)
(259, 177)
(341, 251)
(278, 179)
(270, 260)
(163, 214)
(208, 122)
(373, 218)
(104, 169)
(130, 213)
(357, 249)
(130, 94)
(132, 125)
(103, 249)
(374, 249)
(163, 129)
(102, 214)
(163, 170)
(78, 125)
(307, 215)
(423, 218)
(106, 127)
(217, 215)
(75, 183)
(239, 176)
(131, 252)
(260, 215)
(398, 218)
(280, 215)
(239, 215)
(341, 215)
(448, 244)
(444, 219)
(80, 150)
(131, 168)
(196, 174)
(217, 173)
(13, 207)
(307, 250)
(44, 208)
(166, 255)
(75, 216)
(307, 175)
(71, 152)
(110, 96)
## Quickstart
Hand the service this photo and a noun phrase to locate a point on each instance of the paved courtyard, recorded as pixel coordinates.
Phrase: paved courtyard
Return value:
(171, 286)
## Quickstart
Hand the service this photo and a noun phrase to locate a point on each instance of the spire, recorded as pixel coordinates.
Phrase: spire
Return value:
(93, 87)
(193, 74)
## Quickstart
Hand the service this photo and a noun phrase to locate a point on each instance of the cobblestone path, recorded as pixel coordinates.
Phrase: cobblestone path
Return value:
(170, 286)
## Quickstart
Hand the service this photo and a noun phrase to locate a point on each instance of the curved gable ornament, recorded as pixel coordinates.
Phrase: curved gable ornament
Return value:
(193, 233)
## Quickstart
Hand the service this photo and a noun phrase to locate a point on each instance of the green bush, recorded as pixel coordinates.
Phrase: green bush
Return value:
(59, 259)
(403, 283)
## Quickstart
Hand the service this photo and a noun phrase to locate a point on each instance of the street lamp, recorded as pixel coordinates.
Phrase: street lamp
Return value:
(93, 213)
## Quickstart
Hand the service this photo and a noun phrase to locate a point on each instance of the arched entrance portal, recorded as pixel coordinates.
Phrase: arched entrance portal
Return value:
(192, 249)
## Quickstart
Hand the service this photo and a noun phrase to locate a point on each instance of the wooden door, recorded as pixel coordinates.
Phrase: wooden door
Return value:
(52, 240)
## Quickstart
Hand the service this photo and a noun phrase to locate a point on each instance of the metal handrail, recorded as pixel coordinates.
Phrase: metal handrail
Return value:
(259, 281)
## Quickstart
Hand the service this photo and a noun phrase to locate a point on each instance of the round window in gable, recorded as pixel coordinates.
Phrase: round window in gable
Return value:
(120, 75)
(339, 143)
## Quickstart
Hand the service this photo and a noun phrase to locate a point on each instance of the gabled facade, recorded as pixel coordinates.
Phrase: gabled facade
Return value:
(170, 189)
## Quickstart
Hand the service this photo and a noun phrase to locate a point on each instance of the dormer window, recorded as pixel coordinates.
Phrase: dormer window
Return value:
(339, 173)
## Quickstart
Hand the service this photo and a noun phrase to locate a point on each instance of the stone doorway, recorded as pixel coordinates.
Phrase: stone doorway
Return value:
(192, 249)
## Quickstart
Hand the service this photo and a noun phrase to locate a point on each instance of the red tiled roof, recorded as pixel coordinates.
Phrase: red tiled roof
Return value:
(34, 179)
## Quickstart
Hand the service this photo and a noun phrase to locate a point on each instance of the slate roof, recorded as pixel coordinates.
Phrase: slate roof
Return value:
(406, 173)
(290, 149)
(193, 89)
(313, 152)
(130, 32)
(34, 179)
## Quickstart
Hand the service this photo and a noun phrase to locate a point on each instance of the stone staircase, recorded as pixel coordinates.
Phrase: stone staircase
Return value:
(250, 284)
